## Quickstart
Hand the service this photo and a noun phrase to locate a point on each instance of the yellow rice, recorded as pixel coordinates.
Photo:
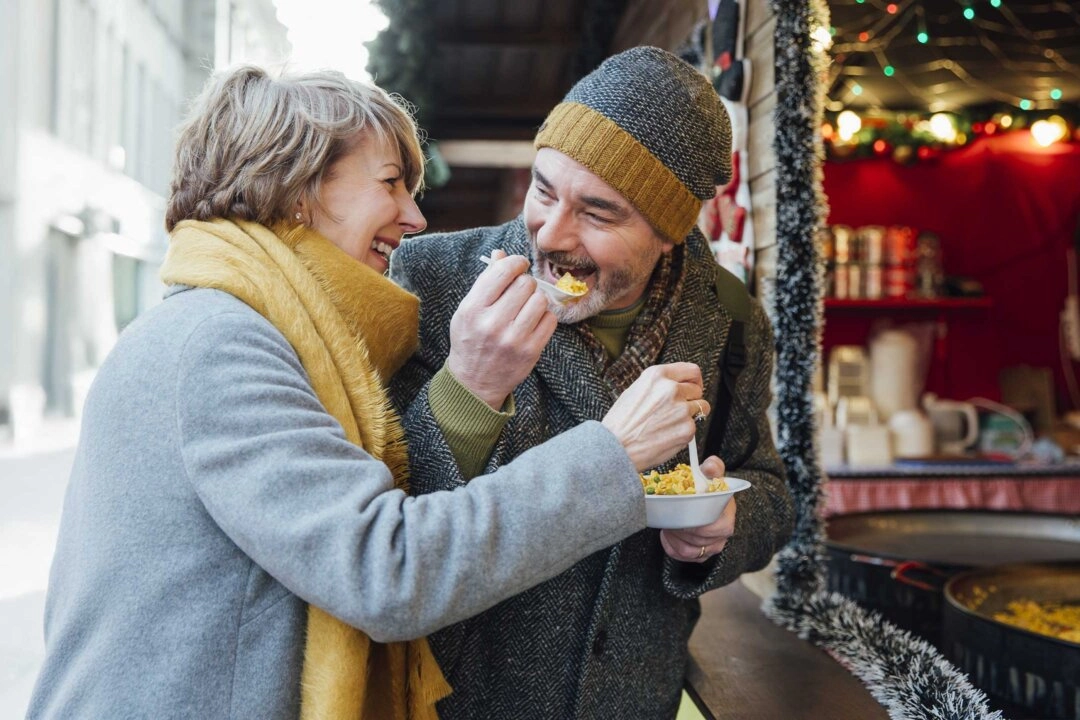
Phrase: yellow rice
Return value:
(677, 482)
(568, 283)
(1053, 619)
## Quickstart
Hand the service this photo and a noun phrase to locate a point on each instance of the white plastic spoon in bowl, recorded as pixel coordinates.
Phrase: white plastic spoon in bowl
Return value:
(701, 483)
(553, 291)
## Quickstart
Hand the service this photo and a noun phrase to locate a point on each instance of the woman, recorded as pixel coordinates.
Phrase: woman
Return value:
(236, 539)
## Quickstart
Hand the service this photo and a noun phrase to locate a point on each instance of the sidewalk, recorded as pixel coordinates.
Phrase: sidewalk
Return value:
(33, 476)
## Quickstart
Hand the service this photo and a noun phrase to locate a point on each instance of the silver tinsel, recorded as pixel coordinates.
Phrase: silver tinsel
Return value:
(905, 674)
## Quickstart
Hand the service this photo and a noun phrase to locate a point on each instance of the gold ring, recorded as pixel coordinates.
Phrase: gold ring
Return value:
(700, 414)
(702, 553)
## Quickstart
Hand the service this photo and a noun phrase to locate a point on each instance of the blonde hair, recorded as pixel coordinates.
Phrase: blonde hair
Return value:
(253, 145)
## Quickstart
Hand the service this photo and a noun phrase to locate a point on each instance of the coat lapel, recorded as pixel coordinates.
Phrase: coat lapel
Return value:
(566, 368)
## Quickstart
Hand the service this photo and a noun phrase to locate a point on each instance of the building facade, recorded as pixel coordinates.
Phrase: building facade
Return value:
(95, 90)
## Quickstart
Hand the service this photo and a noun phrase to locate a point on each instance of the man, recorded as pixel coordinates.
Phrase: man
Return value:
(622, 167)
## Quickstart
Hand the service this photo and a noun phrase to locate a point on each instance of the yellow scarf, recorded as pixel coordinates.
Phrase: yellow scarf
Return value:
(351, 328)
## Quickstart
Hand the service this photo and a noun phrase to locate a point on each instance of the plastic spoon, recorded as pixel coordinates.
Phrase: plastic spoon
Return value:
(554, 292)
(701, 483)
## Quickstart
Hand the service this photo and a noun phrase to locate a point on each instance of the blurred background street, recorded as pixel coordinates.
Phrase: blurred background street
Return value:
(33, 475)
(93, 94)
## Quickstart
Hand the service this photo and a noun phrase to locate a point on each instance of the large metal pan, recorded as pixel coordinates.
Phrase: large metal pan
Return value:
(897, 562)
(1030, 674)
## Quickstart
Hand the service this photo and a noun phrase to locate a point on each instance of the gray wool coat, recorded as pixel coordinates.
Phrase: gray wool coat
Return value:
(607, 638)
(213, 497)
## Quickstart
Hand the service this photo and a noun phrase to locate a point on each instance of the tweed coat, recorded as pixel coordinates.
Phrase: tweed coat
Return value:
(608, 637)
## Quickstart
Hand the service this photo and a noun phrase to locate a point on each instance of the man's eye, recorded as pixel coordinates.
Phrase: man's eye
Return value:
(597, 218)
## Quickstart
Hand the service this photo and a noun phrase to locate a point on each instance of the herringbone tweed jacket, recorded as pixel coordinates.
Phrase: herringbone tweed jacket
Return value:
(608, 637)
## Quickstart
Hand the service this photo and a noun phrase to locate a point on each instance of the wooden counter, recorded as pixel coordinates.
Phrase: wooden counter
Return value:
(744, 667)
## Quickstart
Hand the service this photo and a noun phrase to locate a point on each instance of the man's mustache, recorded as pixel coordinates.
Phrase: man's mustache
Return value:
(566, 261)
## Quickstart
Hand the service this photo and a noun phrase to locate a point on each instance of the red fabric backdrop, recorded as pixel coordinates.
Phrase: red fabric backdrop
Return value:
(1006, 211)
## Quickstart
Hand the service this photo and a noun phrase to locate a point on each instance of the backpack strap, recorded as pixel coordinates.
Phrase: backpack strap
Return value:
(733, 295)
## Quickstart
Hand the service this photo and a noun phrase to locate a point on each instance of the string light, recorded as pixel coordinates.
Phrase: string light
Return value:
(847, 124)
(963, 55)
(909, 137)
(821, 38)
(943, 127)
(1049, 131)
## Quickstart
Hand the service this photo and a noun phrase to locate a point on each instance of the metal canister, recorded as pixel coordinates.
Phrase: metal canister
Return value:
(899, 245)
(873, 284)
(872, 244)
(855, 281)
(898, 281)
(841, 243)
(840, 288)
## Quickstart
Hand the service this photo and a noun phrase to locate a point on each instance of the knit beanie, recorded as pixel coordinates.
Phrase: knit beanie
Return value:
(653, 128)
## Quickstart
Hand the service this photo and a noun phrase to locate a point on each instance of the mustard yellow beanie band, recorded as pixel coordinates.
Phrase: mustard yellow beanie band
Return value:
(616, 157)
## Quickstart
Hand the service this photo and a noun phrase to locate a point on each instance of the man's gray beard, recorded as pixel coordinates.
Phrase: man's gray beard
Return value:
(574, 311)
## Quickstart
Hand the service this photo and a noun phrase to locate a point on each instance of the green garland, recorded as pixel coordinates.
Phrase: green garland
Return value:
(905, 137)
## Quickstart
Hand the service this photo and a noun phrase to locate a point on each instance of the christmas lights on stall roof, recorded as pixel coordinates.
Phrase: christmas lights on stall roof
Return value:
(898, 16)
(940, 130)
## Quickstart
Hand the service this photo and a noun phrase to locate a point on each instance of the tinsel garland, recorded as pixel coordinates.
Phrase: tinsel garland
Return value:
(800, 214)
(905, 674)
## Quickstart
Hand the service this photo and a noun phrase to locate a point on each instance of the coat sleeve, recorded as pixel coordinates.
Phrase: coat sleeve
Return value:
(275, 473)
(764, 516)
(421, 267)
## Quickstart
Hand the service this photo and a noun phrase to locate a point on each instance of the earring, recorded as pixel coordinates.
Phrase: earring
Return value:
(299, 217)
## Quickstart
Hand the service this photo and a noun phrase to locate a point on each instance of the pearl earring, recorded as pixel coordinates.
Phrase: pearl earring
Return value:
(299, 217)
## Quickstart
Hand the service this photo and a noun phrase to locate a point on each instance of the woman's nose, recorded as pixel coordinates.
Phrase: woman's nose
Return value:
(411, 219)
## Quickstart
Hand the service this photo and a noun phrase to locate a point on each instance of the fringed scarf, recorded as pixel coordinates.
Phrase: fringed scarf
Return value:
(650, 329)
(351, 328)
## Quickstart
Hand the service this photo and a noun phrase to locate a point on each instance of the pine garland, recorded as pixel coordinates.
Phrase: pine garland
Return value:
(905, 674)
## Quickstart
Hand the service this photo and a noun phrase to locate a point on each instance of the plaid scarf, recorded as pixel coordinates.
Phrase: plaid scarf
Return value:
(650, 329)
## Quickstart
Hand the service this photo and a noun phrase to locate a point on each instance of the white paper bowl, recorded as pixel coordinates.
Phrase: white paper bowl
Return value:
(675, 512)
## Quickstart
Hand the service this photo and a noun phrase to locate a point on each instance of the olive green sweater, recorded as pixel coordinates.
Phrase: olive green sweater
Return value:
(472, 427)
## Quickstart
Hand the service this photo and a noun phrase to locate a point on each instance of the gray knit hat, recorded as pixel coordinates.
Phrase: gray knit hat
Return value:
(653, 128)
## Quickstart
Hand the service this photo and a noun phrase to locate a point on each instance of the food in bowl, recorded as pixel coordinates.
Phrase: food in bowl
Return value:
(570, 284)
(688, 509)
(679, 481)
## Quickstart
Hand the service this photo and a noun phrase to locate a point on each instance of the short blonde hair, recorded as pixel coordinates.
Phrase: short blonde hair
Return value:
(253, 145)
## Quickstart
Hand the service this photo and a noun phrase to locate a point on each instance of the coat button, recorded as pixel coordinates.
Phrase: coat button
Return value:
(599, 642)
